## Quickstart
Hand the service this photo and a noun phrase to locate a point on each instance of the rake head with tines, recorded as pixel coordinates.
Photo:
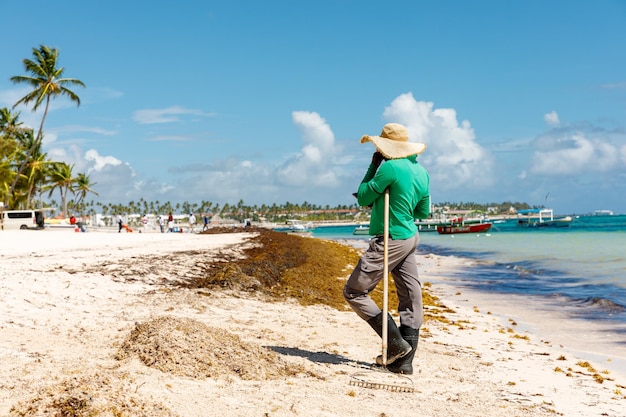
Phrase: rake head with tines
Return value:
(382, 379)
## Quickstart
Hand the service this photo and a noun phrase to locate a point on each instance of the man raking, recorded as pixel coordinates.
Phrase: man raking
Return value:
(408, 184)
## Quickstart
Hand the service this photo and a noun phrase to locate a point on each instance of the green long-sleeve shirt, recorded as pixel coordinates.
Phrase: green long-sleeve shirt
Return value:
(409, 196)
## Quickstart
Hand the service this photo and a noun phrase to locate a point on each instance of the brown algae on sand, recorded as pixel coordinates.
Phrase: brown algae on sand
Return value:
(90, 394)
(187, 347)
(284, 265)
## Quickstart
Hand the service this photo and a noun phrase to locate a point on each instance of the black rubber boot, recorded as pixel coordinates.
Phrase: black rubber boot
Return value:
(404, 365)
(397, 347)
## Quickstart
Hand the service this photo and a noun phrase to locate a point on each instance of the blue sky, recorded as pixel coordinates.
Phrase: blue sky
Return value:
(266, 101)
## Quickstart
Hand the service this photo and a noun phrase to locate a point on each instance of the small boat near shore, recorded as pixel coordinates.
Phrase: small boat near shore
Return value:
(432, 225)
(544, 218)
(362, 229)
(427, 225)
(422, 227)
(296, 226)
(453, 229)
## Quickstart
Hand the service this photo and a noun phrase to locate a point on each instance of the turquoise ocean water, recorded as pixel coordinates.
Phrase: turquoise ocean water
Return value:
(576, 273)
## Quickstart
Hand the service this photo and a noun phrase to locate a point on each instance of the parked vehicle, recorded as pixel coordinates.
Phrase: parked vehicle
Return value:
(22, 219)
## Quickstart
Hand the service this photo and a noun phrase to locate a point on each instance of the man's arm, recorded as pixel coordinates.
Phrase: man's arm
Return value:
(422, 209)
(367, 194)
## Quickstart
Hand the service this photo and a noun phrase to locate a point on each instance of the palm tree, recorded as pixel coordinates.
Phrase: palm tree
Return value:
(9, 121)
(61, 178)
(10, 131)
(36, 176)
(47, 82)
(35, 170)
(82, 186)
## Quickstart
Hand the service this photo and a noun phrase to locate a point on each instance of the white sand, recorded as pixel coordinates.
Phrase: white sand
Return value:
(69, 299)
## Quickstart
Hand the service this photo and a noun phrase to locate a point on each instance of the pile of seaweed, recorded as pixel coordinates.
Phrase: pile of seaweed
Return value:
(187, 347)
(284, 265)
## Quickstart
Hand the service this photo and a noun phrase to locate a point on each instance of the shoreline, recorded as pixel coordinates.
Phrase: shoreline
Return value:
(67, 305)
(584, 328)
(595, 340)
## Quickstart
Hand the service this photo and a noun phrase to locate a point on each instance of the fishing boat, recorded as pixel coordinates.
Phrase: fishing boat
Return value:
(431, 225)
(362, 229)
(296, 226)
(453, 229)
(543, 218)
(424, 226)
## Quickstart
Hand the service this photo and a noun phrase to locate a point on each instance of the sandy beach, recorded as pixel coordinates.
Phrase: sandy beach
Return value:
(77, 310)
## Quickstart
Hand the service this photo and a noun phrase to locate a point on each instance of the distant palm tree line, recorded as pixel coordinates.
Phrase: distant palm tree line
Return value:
(237, 212)
(274, 213)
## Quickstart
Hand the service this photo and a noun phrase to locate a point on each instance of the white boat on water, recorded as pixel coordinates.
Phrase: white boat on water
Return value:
(543, 218)
(296, 226)
(362, 229)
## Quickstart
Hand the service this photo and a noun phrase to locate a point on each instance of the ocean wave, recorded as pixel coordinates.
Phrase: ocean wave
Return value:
(527, 268)
(603, 304)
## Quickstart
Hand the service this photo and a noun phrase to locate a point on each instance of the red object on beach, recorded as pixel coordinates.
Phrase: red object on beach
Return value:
(470, 228)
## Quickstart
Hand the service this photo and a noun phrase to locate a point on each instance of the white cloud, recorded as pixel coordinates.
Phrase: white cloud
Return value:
(168, 138)
(120, 184)
(318, 164)
(164, 188)
(102, 93)
(51, 135)
(573, 153)
(313, 166)
(70, 154)
(614, 86)
(88, 162)
(226, 180)
(115, 180)
(552, 118)
(83, 129)
(99, 162)
(166, 115)
(49, 139)
(453, 157)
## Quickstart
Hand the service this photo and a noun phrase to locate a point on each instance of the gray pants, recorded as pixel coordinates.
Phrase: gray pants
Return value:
(369, 272)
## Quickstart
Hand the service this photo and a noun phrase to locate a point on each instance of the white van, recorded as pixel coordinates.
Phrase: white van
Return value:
(22, 219)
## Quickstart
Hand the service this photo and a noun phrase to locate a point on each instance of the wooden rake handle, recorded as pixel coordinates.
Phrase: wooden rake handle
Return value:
(385, 276)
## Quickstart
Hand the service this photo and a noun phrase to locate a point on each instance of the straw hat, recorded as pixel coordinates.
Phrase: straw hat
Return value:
(394, 143)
